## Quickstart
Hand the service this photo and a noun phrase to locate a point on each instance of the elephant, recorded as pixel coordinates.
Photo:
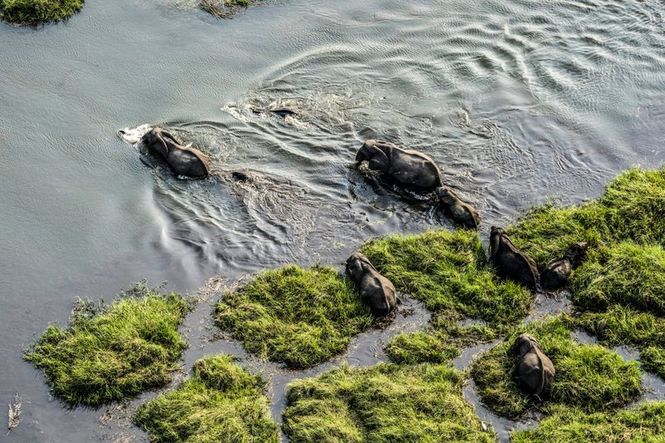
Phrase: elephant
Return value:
(406, 168)
(556, 273)
(459, 212)
(375, 290)
(509, 262)
(182, 160)
(533, 370)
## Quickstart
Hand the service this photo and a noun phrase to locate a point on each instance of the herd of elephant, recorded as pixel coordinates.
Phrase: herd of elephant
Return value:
(416, 172)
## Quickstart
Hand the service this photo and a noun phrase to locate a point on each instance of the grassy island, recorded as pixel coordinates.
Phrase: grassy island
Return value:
(220, 402)
(301, 317)
(109, 353)
(36, 12)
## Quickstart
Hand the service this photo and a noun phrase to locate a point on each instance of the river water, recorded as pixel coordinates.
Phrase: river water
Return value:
(519, 102)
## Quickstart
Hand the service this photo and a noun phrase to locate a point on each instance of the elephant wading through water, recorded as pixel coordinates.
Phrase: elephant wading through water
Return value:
(509, 262)
(533, 371)
(182, 160)
(416, 172)
(375, 290)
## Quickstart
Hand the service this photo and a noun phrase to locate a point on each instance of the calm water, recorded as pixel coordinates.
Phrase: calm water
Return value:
(518, 102)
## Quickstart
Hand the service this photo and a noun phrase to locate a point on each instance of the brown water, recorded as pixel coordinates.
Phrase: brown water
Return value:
(518, 101)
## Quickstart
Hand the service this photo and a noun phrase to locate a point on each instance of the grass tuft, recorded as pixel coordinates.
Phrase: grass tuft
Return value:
(631, 208)
(384, 403)
(644, 423)
(626, 274)
(589, 377)
(220, 402)
(113, 352)
(448, 272)
(35, 12)
(625, 326)
(298, 316)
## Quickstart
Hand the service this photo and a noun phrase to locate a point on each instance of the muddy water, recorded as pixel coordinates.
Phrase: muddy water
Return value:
(518, 101)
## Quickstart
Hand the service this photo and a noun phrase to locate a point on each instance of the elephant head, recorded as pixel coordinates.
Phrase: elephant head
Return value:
(357, 265)
(159, 142)
(495, 240)
(183, 160)
(576, 253)
(373, 151)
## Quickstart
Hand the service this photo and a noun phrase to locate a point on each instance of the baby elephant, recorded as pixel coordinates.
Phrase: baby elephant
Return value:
(534, 371)
(509, 262)
(555, 276)
(183, 160)
(459, 212)
(409, 169)
(375, 290)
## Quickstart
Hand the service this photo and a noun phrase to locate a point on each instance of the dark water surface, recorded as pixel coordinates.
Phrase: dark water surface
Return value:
(518, 101)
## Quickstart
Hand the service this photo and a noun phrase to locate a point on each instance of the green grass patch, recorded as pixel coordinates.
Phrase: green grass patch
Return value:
(631, 208)
(297, 316)
(625, 326)
(224, 8)
(645, 423)
(626, 274)
(35, 12)
(113, 352)
(385, 403)
(220, 402)
(440, 343)
(589, 377)
(447, 271)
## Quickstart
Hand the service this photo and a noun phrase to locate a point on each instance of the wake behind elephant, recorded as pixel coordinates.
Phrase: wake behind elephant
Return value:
(182, 160)
(375, 290)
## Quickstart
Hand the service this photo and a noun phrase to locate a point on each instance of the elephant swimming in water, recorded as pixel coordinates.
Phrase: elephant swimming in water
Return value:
(533, 370)
(182, 160)
(406, 168)
(375, 290)
(509, 262)
(458, 211)
(556, 274)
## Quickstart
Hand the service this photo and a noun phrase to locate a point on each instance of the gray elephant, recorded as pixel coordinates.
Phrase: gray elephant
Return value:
(459, 212)
(556, 274)
(509, 262)
(375, 290)
(533, 370)
(182, 160)
(408, 169)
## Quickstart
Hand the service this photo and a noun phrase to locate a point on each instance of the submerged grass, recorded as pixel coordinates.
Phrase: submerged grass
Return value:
(624, 273)
(384, 403)
(220, 402)
(631, 208)
(447, 271)
(644, 423)
(588, 376)
(112, 352)
(34, 12)
(298, 316)
(625, 326)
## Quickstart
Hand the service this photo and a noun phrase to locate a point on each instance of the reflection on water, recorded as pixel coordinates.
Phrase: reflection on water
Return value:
(519, 102)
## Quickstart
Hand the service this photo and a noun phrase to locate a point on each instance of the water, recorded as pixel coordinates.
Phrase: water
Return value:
(518, 102)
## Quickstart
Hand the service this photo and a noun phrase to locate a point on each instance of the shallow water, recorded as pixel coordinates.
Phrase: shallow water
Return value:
(518, 101)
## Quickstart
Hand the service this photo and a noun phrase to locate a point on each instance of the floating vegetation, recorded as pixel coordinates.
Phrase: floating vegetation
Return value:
(14, 413)
(35, 12)
(297, 316)
(113, 352)
(221, 402)
(588, 376)
(385, 403)
(644, 423)
(448, 272)
(223, 8)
